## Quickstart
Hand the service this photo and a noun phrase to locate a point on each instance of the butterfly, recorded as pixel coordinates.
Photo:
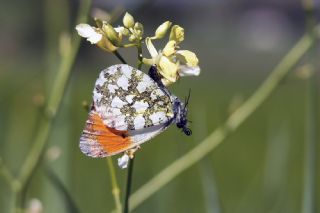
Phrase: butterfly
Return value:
(129, 108)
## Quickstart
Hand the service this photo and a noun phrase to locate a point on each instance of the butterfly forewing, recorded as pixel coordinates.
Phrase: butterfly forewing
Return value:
(128, 99)
(128, 109)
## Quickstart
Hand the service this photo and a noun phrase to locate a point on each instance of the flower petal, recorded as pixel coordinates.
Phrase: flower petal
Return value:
(123, 161)
(187, 57)
(177, 34)
(88, 32)
(149, 61)
(170, 48)
(152, 50)
(189, 71)
(128, 20)
(168, 69)
(106, 45)
(113, 36)
(162, 30)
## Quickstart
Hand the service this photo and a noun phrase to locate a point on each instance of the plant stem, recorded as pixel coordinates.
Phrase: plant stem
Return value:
(309, 196)
(71, 205)
(6, 174)
(53, 105)
(309, 199)
(117, 54)
(114, 183)
(130, 170)
(128, 189)
(230, 126)
(139, 56)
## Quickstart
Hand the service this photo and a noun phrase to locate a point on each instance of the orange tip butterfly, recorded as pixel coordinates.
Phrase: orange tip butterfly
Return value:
(129, 108)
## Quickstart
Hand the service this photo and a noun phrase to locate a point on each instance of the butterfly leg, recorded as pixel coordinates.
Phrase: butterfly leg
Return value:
(132, 151)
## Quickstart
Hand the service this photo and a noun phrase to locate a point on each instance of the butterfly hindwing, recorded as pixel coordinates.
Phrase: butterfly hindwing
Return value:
(99, 140)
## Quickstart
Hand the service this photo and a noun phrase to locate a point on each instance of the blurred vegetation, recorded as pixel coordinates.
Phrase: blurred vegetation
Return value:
(268, 165)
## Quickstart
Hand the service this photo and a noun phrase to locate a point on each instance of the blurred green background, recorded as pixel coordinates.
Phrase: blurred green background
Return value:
(260, 168)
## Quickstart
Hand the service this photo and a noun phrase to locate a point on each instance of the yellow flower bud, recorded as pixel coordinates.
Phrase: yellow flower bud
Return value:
(170, 48)
(106, 45)
(99, 22)
(177, 34)
(112, 34)
(149, 61)
(122, 31)
(162, 30)
(168, 69)
(132, 38)
(128, 20)
(138, 28)
(187, 57)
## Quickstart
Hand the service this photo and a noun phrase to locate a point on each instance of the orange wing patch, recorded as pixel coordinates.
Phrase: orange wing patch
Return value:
(99, 140)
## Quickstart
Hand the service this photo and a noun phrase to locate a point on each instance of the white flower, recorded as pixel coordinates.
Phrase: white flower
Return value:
(89, 32)
(123, 161)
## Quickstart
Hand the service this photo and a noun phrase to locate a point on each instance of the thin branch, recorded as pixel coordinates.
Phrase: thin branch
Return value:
(117, 54)
(53, 105)
(128, 189)
(309, 195)
(6, 174)
(114, 183)
(139, 56)
(131, 162)
(231, 125)
(71, 205)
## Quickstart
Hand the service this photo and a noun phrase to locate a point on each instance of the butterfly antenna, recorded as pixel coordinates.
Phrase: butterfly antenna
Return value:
(187, 99)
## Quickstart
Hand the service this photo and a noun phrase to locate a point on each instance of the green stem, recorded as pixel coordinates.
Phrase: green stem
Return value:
(6, 174)
(230, 126)
(53, 105)
(71, 205)
(128, 189)
(117, 54)
(139, 56)
(128, 45)
(309, 199)
(114, 183)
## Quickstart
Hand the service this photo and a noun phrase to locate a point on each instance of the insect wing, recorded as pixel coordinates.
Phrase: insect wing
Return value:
(128, 99)
(128, 109)
(99, 140)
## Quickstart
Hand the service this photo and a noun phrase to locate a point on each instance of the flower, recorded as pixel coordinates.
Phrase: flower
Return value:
(162, 30)
(128, 20)
(177, 34)
(106, 37)
(88, 32)
(123, 161)
(172, 63)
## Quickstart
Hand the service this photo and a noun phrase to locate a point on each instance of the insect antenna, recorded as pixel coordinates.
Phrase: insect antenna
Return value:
(186, 100)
